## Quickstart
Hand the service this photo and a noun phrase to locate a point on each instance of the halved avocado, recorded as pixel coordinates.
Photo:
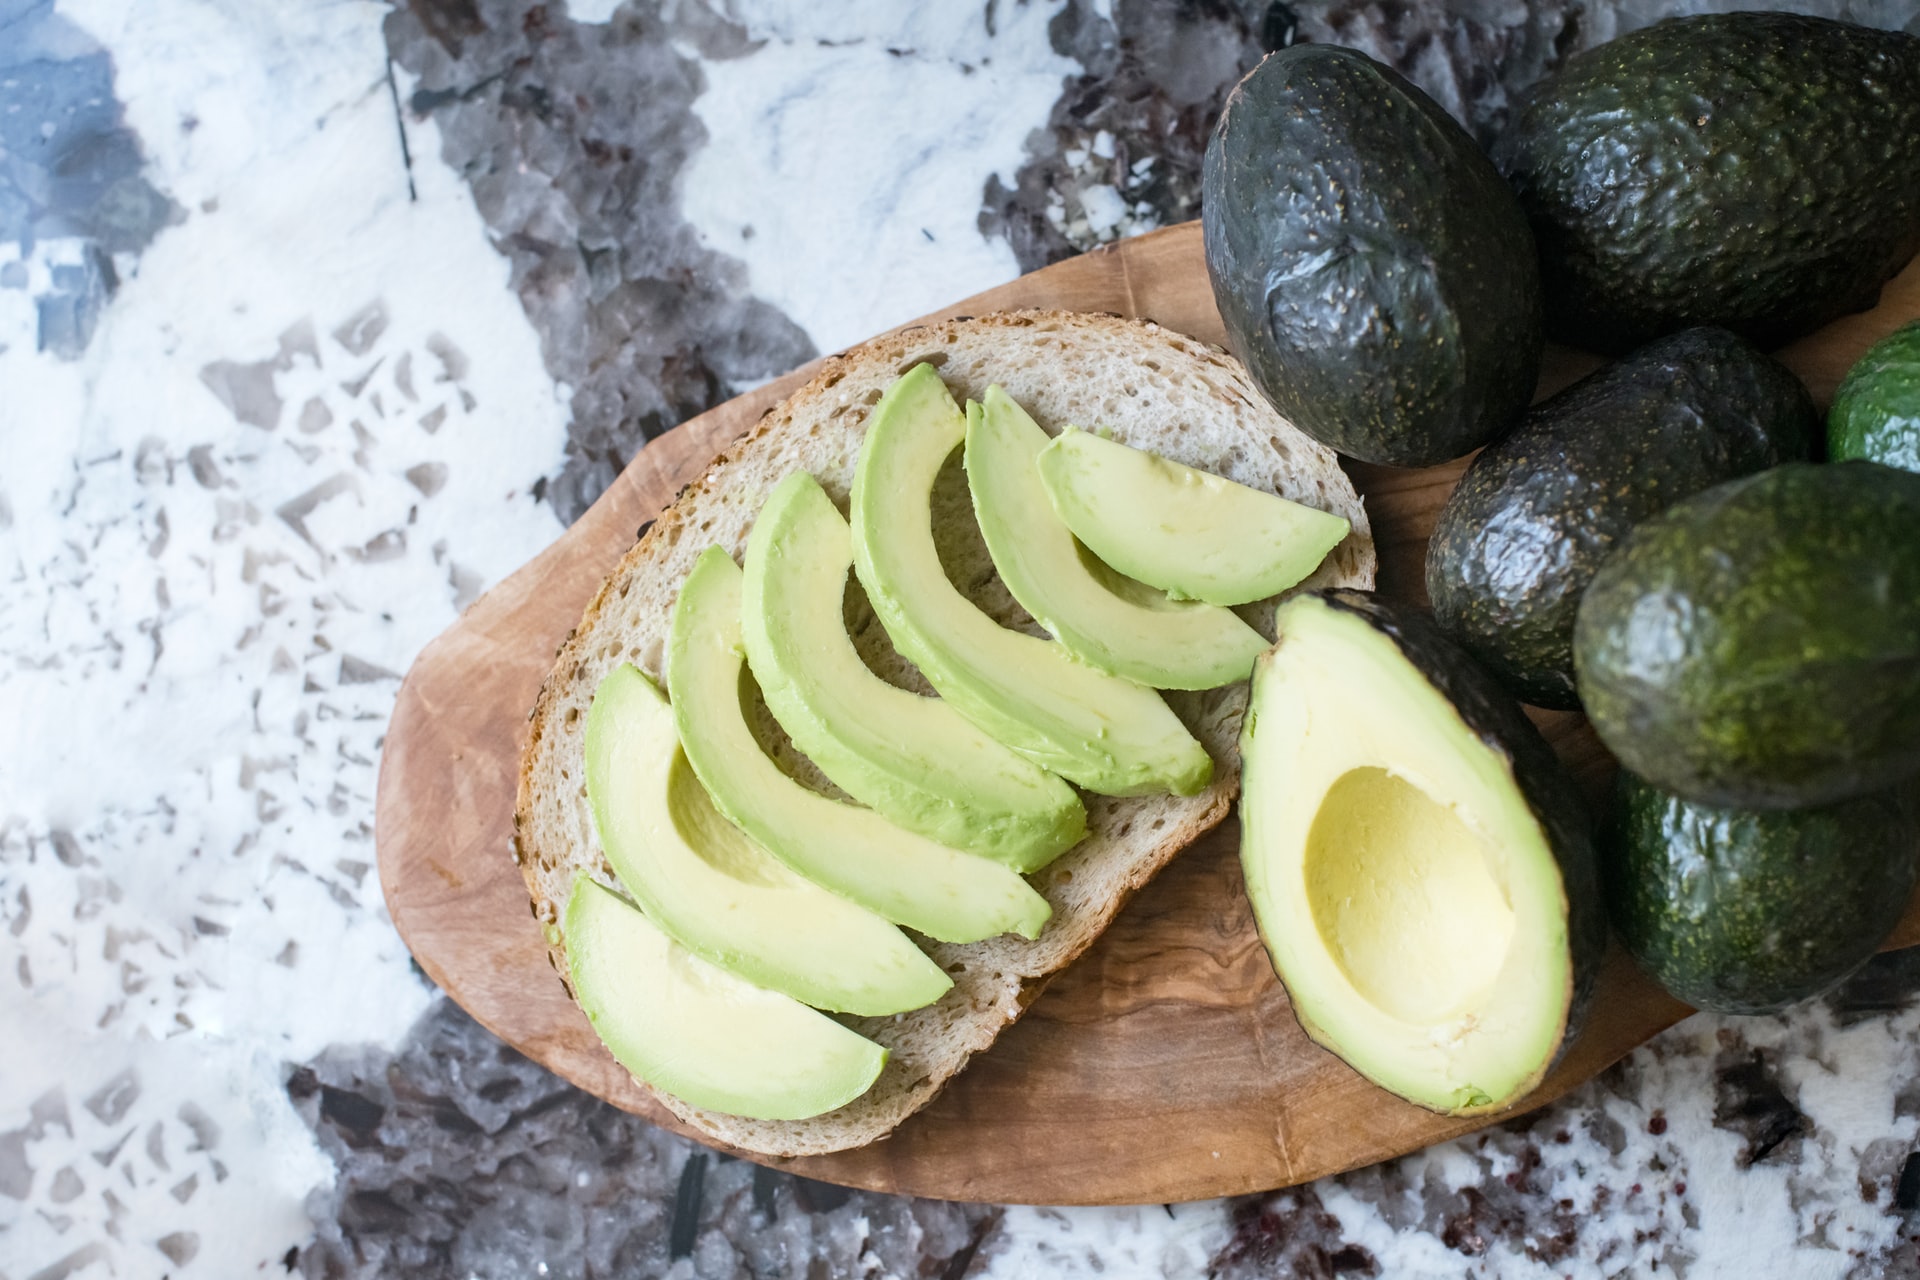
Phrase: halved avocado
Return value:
(1420, 866)
(1141, 634)
(908, 879)
(1109, 735)
(715, 892)
(699, 1033)
(1190, 533)
(914, 759)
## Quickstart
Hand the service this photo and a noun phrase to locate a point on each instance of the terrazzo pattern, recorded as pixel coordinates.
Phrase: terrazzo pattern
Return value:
(316, 320)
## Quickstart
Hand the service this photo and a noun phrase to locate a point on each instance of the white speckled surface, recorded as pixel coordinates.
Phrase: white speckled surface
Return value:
(277, 400)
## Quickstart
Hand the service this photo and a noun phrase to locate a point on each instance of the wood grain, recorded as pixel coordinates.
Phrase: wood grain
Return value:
(1165, 1064)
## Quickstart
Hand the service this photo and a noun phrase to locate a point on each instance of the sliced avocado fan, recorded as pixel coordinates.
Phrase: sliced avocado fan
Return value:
(715, 892)
(1418, 863)
(1109, 735)
(1137, 633)
(1194, 535)
(914, 759)
(699, 1033)
(910, 880)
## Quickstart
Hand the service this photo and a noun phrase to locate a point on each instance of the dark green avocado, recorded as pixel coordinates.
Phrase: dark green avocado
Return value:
(1759, 171)
(1757, 646)
(1748, 912)
(1376, 276)
(1539, 509)
(1876, 411)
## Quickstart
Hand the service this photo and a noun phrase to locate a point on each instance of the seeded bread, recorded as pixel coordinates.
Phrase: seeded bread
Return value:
(1145, 385)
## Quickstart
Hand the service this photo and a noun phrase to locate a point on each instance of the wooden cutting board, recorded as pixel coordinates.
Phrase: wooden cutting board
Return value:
(1165, 1064)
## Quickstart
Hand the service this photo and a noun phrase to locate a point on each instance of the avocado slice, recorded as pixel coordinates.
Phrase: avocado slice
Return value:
(714, 891)
(1876, 411)
(1194, 535)
(1419, 864)
(1540, 508)
(1373, 271)
(914, 759)
(1747, 912)
(1109, 735)
(1139, 634)
(1757, 646)
(1751, 170)
(697, 1032)
(908, 879)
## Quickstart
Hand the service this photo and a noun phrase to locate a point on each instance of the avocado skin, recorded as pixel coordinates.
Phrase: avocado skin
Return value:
(1490, 714)
(1748, 912)
(1876, 411)
(1759, 171)
(1539, 509)
(1376, 276)
(1757, 646)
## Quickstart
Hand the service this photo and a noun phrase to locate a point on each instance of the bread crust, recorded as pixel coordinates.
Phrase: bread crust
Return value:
(1149, 387)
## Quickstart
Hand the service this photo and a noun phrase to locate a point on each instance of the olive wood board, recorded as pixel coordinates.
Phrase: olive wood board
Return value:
(1164, 1064)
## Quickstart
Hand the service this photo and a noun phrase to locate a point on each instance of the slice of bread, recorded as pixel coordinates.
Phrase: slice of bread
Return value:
(1146, 386)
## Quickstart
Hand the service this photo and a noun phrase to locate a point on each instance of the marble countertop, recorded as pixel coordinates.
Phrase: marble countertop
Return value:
(318, 318)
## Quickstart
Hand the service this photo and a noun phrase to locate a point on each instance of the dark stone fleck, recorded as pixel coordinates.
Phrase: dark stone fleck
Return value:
(350, 1110)
(1887, 984)
(1289, 1233)
(1906, 1196)
(686, 1206)
(1748, 1100)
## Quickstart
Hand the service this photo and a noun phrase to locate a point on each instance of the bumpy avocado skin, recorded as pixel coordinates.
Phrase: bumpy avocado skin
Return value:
(1490, 714)
(1876, 411)
(1759, 171)
(1376, 276)
(1757, 646)
(1748, 912)
(1539, 509)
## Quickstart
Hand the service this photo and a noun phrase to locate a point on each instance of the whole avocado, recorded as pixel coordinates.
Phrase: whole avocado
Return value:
(1757, 646)
(1748, 912)
(1876, 411)
(1759, 171)
(1540, 508)
(1376, 276)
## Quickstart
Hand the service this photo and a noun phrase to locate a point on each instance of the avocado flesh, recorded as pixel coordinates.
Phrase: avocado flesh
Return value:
(716, 893)
(1876, 411)
(1759, 171)
(1142, 635)
(1743, 911)
(1757, 646)
(1405, 867)
(1109, 735)
(856, 853)
(697, 1032)
(914, 759)
(1194, 535)
(1538, 510)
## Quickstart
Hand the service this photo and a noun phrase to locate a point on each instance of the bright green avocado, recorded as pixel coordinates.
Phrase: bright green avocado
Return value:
(1876, 411)
(1139, 634)
(713, 891)
(942, 892)
(697, 1032)
(1418, 863)
(1109, 735)
(1194, 535)
(912, 758)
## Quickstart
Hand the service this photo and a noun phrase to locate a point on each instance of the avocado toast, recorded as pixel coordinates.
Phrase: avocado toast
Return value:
(1145, 385)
